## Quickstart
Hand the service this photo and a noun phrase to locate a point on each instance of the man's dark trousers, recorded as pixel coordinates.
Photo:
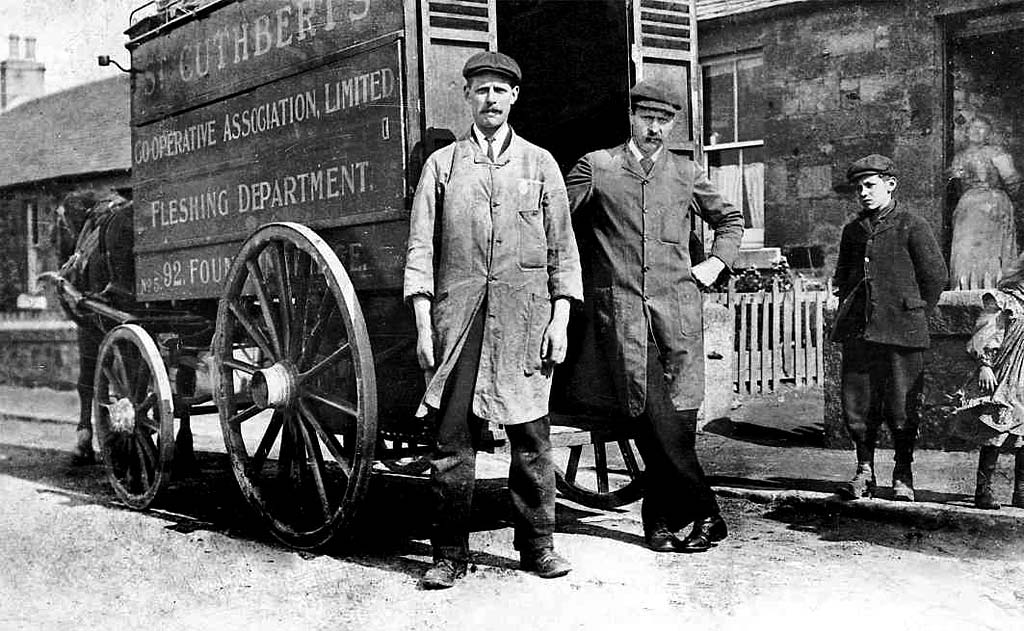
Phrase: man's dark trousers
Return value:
(531, 478)
(881, 381)
(675, 489)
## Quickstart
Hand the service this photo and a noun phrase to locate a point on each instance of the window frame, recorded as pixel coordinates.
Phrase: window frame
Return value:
(753, 238)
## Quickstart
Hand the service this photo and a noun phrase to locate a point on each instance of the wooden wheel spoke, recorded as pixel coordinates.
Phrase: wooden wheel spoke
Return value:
(237, 364)
(148, 423)
(119, 369)
(147, 404)
(317, 466)
(141, 384)
(574, 463)
(267, 442)
(131, 465)
(333, 446)
(285, 453)
(111, 380)
(301, 291)
(147, 456)
(601, 466)
(629, 458)
(338, 404)
(240, 417)
(260, 285)
(283, 284)
(323, 317)
(325, 363)
(251, 328)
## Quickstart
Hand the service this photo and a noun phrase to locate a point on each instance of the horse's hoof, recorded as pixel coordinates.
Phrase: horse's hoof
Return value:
(82, 453)
(82, 457)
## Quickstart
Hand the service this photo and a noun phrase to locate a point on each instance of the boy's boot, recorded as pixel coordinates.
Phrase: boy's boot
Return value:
(988, 456)
(902, 473)
(1018, 479)
(863, 482)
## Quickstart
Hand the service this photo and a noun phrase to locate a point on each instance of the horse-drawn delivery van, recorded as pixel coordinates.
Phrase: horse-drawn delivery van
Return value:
(275, 147)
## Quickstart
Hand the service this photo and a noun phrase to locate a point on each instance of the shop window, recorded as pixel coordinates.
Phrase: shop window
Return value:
(734, 135)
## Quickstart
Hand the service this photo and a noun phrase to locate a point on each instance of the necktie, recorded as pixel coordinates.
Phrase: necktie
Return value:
(490, 148)
(647, 164)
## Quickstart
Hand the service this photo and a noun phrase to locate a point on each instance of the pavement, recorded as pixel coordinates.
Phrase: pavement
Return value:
(767, 451)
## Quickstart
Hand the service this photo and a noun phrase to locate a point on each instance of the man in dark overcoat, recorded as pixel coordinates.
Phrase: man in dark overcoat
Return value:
(889, 275)
(631, 206)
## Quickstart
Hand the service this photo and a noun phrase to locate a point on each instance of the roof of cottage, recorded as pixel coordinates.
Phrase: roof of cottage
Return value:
(82, 130)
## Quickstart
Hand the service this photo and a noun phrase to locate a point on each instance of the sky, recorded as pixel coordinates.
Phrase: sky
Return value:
(69, 35)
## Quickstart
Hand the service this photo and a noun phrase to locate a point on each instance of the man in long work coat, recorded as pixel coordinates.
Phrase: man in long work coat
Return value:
(491, 268)
(889, 275)
(631, 206)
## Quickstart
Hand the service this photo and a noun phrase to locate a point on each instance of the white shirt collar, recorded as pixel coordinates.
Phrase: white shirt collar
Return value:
(640, 154)
(499, 138)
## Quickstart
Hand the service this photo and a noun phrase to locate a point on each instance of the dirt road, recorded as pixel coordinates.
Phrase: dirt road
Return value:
(76, 559)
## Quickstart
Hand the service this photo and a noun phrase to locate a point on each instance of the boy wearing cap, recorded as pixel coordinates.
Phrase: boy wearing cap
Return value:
(631, 205)
(889, 275)
(490, 271)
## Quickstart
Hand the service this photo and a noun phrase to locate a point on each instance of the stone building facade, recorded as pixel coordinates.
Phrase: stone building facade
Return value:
(49, 146)
(836, 80)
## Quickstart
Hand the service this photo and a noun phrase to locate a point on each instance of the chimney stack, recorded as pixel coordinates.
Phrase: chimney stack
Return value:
(21, 77)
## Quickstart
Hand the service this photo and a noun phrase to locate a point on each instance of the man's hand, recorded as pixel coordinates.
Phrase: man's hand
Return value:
(707, 272)
(552, 349)
(987, 379)
(424, 335)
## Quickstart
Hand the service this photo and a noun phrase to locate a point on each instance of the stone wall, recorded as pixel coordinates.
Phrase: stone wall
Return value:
(947, 367)
(38, 353)
(844, 79)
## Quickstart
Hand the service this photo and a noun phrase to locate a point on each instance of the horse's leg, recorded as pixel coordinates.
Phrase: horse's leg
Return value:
(89, 339)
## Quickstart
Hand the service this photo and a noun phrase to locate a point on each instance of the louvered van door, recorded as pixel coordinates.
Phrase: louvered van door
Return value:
(453, 30)
(665, 47)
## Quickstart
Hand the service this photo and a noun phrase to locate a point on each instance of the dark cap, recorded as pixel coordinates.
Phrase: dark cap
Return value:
(873, 164)
(491, 61)
(656, 94)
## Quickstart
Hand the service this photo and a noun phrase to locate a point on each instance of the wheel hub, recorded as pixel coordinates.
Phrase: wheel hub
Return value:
(276, 386)
(122, 416)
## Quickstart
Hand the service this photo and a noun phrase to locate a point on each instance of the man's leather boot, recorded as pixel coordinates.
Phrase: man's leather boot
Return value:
(861, 485)
(903, 482)
(987, 459)
(1018, 479)
(443, 574)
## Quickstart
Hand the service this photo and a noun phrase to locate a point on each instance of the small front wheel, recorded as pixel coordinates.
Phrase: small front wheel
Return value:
(133, 412)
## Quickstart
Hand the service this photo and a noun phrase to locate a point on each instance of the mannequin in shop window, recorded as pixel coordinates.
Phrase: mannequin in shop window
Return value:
(984, 234)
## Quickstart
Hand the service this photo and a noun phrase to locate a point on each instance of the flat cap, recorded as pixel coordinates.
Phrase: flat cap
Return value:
(657, 95)
(873, 164)
(491, 61)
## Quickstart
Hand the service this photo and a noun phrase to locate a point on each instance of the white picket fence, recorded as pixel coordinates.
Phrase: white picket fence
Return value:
(779, 336)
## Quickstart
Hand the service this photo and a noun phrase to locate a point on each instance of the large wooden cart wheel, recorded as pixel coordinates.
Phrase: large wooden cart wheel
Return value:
(596, 469)
(133, 412)
(296, 390)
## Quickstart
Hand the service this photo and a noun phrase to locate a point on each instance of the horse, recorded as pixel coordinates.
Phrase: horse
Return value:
(89, 236)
